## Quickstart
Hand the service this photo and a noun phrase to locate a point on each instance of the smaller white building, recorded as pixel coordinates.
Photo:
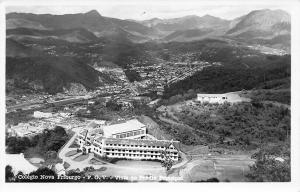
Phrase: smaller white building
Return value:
(231, 97)
(212, 98)
(38, 114)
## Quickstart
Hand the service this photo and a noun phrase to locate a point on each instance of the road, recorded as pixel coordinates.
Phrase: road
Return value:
(40, 105)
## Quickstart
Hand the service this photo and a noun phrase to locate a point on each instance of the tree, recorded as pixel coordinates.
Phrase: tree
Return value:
(113, 105)
(9, 175)
(210, 180)
(272, 165)
(167, 162)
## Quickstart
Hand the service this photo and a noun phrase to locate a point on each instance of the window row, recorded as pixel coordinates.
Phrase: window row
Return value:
(144, 146)
(130, 134)
(134, 151)
(133, 155)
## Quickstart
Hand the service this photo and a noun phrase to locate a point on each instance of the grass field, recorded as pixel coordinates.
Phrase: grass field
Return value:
(81, 158)
(95, 161)
(231, 169)
(71, 153)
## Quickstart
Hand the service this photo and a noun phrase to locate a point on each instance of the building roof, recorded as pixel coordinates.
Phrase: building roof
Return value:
(211, 95)
(84, 132)
(92, 124)
(19, 163)
(130, 125)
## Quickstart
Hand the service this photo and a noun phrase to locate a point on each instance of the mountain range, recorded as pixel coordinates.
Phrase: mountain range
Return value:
(256, 25)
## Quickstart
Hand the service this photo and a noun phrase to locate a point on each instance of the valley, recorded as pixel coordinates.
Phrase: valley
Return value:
(74, 72)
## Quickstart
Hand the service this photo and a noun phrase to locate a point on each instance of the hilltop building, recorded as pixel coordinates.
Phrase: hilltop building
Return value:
(232, 97)
(38, 114)
(212, 98)
(125, 140)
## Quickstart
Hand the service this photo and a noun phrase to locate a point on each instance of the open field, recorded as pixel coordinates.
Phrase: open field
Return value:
(137, 164)
(132, 170)
(224, 168)
(95, 161)
(280, 95)
(71, 153)
(81, 157)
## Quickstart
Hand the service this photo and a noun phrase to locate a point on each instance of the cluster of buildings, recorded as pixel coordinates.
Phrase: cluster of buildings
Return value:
(29, 129)
(127, 140)
(41, 122)
(160, 74)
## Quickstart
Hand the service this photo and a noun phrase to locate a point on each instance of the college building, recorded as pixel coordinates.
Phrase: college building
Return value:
(126, 140)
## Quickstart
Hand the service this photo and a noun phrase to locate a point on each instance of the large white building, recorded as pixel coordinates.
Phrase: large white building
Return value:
(125, 140)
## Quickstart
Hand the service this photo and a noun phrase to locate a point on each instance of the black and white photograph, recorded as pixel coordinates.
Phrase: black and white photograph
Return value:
(148, 92)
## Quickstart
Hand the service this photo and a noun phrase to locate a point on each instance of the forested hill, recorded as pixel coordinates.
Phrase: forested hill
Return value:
(53, 73)
(220, 79)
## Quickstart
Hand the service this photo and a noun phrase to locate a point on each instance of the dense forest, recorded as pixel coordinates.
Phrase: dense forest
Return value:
(246, 125)
(53, 73)
(132, 75)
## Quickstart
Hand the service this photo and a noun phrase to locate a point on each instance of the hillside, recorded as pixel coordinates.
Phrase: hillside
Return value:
(226, 79)
(52, 73)
(16, 49)
(188, 35)
(262, 20)
(263, 27)
(188, 22)
(91, 21)
(79, 35)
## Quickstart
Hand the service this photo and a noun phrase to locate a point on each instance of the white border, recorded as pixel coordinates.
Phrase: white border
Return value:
(295, 133)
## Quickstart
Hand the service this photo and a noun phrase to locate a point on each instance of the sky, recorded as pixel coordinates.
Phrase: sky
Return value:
(147, 10)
